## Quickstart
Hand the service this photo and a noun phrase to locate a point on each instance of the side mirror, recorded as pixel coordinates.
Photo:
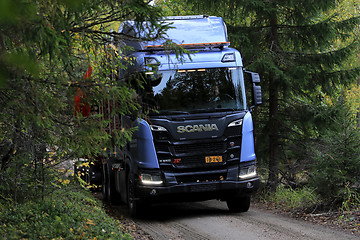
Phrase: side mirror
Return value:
(257, 95)
(256, 90)
(154, 78)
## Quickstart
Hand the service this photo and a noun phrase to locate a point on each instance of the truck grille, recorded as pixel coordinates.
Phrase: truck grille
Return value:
(200, 147)
(190, 154)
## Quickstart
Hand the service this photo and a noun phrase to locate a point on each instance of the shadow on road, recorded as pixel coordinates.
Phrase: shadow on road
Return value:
(173, 211)
(176, 211)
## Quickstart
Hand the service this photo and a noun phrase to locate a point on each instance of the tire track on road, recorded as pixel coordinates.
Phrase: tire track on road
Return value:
(172, 230)
(288, 228)
(211, 221)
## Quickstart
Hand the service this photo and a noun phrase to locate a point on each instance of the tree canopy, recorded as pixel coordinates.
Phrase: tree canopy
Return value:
(50, 52)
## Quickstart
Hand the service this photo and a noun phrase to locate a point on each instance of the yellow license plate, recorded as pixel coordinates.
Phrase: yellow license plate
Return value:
(213, 159)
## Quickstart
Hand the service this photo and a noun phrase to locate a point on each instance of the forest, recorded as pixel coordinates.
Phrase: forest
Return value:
(307, 129)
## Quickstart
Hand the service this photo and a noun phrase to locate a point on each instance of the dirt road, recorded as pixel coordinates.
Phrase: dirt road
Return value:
(211, 220)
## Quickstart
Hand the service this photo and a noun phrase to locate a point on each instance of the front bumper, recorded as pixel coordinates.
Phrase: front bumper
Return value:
(197, 191)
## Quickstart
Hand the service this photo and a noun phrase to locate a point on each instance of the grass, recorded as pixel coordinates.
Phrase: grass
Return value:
(68, 213)
(288, 199)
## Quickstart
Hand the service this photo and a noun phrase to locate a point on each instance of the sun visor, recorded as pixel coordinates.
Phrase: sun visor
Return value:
(189, 31)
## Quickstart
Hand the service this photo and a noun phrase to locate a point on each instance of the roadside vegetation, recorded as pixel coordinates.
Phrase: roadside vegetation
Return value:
(306, 204)
(290, 200)
(52, 53)
(68, 212)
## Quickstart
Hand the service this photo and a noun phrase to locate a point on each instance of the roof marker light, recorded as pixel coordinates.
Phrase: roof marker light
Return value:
(192, 70)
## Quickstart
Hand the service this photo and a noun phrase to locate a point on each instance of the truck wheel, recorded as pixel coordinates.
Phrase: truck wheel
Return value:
(104, 182)
(134, 205)
(238, 204)
(108, 189)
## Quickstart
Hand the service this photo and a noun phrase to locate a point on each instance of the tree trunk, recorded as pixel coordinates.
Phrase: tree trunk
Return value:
(273, 135)
(358, 110)
(273, 111)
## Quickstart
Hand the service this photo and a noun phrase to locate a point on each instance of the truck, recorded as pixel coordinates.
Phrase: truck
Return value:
(196, 142)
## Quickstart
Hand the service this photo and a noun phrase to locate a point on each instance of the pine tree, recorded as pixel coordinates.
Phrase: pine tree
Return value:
(46, 48)
(336, 167)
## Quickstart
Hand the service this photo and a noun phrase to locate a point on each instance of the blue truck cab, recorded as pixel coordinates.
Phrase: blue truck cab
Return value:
(196, 142)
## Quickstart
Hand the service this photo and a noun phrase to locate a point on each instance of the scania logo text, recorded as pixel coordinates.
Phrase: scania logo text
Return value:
(197, 128)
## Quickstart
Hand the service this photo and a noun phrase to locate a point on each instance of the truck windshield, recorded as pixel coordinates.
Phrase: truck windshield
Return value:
(196, 91)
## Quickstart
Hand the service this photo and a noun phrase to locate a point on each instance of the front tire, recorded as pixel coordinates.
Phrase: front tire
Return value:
(238, 204)
(108, 186)
(135, 206)
(104, 182)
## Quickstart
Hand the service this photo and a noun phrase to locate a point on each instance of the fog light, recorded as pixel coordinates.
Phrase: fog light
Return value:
(247, 172)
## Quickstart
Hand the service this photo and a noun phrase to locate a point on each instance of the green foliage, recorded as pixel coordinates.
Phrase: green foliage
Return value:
(289, 199)
(336, 168)
(176, 8)
(349, 207)
(351, 200)
(20, 186)
(68, 213)
(46, 48)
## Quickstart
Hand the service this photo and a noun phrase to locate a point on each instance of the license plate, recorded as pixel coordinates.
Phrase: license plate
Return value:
(213, 159)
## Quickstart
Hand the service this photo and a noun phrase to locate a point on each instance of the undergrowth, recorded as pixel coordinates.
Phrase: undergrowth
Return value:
(68, 213)
(306, 202)
(289, 199)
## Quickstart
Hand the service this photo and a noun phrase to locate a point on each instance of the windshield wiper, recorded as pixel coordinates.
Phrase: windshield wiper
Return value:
(172, 113)
(207, 110)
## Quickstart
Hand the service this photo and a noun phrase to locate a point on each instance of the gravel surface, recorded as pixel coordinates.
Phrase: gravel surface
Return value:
(128, 225)
(348, 222)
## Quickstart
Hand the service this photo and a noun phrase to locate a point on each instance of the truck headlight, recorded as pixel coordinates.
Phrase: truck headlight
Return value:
(156, 128)
(150, 179)
(247, 172)
(228, 57)
(236, 123)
